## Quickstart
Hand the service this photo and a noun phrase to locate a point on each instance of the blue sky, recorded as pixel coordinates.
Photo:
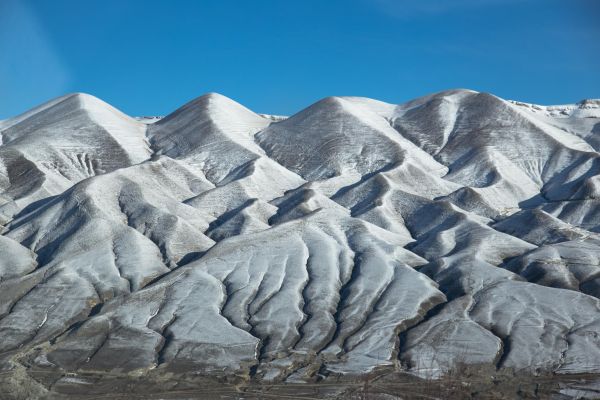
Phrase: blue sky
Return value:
(149, 57)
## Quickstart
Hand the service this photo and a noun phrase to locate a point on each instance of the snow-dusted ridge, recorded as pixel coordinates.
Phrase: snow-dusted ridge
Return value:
(354, 235)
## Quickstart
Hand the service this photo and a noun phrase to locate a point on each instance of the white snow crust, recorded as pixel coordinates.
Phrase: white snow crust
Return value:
(354, 235)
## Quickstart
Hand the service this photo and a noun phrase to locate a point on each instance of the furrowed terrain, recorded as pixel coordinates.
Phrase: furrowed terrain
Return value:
(458, 230)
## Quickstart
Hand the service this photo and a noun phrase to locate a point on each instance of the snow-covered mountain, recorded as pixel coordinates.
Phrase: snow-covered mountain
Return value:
(458, 228)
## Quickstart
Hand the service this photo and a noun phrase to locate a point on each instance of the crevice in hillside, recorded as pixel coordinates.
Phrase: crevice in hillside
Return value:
(342, 303)
(303, 296)
(365, 317)
(130, 285)
(167, 338)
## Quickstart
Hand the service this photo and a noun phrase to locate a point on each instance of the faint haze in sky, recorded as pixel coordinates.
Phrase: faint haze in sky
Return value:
(149, 56)
(31, 71)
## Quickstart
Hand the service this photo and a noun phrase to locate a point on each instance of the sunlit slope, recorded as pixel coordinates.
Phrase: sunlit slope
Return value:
(458, 228)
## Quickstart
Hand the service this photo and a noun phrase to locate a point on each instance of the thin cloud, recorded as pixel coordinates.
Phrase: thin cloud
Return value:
(31, 69)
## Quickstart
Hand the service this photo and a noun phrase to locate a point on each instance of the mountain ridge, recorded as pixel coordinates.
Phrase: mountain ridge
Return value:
(352, 236)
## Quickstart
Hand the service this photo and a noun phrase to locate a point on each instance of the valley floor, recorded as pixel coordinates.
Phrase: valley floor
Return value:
(469, 383)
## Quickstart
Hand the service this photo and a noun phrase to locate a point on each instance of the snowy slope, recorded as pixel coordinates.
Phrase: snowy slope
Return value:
(354, 235)
(48, 149)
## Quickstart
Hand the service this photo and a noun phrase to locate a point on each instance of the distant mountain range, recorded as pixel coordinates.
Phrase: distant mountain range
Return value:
(457, 228)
